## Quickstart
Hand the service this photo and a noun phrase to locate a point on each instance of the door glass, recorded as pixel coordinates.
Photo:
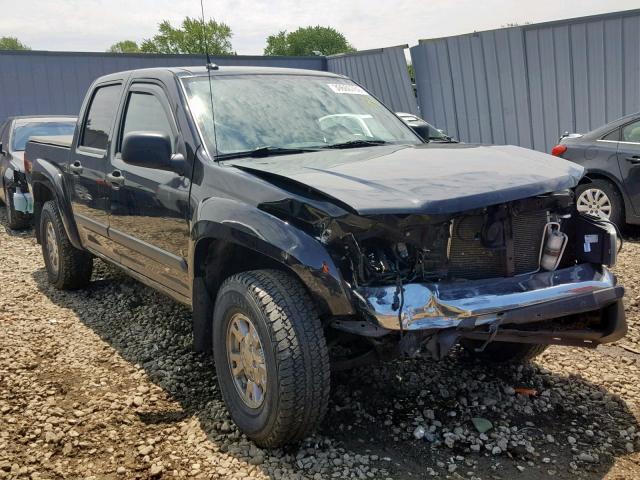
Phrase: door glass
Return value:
(631, 132)
(100, 117)
(612, 136)
(145, 114)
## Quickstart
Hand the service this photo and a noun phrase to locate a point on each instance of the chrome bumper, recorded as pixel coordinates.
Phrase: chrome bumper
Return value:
(467, 304)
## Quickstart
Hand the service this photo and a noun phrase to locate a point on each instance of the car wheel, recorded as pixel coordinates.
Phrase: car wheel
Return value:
(271, 357)
(15, 220)
(67, 267)
(600, 198)
(503, 352)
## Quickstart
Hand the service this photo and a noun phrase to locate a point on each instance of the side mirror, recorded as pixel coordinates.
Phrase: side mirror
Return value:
(151, 150)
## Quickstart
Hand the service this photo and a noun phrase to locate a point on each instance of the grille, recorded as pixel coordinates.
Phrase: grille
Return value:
(468, 258)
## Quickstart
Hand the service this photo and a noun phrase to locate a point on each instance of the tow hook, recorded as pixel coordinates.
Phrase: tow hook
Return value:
(493, 331)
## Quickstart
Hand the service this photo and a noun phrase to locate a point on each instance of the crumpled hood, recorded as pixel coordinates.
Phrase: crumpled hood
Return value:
(429, 179)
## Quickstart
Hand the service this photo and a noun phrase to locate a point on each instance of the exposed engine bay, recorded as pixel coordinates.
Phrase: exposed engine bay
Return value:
(496, 241)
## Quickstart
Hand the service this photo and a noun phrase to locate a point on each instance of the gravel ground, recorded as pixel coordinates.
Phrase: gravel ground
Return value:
(102, 383)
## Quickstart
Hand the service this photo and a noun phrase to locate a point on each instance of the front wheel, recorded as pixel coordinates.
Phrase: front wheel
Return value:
(271, 357)
(600, 198)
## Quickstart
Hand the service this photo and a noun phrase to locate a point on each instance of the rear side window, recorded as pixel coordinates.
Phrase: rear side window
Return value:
(612, 136)
(631, 132)
(145, 114)
(100, 117)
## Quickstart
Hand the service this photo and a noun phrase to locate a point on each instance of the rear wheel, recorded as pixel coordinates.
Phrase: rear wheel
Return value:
(67, 267)
(271, 357)
(15, 220)
(504, 352)
(600, 198)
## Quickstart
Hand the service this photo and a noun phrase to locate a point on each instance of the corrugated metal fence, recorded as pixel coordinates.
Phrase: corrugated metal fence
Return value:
(383, 72)
(56, 82)
(527, 85)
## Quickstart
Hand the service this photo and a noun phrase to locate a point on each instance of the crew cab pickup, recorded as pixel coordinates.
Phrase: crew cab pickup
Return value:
(309, 228)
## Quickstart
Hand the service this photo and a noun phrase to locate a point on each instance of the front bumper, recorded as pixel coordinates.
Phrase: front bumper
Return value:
(465, 305)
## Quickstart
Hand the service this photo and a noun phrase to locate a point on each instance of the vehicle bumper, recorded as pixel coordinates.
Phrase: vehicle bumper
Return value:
(521, 299)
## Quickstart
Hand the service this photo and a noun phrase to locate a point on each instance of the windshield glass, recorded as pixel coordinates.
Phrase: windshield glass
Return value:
(289, 111)
(24, 131)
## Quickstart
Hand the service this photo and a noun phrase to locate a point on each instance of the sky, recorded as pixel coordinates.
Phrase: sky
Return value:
(94, 25)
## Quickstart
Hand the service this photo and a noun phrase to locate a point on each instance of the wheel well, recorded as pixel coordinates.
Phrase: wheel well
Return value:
(216, 260)
(41, 194)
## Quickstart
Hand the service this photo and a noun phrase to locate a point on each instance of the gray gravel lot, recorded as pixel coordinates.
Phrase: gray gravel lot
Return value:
(102, 383)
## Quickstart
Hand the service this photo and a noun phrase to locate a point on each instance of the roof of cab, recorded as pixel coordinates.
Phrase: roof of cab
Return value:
(222, 70)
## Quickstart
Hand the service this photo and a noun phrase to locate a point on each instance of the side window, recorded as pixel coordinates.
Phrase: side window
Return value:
(145, 113)
(612, 136)
(631, 132)
(100, 117)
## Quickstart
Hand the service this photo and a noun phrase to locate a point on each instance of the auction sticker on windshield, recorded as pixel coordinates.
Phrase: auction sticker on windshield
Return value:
(347, 88)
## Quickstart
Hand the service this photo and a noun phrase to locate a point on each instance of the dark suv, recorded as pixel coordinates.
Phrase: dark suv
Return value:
(309, 228)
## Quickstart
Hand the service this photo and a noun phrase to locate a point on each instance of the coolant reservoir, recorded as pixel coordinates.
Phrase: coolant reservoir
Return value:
(554, 243)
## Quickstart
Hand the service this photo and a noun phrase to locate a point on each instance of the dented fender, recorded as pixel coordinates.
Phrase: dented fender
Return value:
(219, 218)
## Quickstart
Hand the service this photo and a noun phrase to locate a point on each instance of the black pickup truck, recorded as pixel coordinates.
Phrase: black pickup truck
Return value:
(309, 228)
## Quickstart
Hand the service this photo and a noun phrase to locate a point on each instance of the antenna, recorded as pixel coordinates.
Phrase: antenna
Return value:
(210, 66)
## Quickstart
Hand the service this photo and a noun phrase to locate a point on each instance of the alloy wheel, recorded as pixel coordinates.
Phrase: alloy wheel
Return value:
(52, 248)
(246, 360)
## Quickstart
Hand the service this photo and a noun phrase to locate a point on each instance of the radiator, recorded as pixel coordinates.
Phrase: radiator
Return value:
(469, 259)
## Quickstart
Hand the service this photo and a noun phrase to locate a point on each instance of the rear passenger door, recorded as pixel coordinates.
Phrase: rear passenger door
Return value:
(148, 207)
(88, 166)
(629, 161)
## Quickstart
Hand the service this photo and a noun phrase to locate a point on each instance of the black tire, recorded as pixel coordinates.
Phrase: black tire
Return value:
(612, 192)
(504, 352)
(74, 266)
(295, 356)
(15, 220)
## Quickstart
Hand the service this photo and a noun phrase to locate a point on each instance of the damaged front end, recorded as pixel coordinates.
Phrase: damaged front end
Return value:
(528, 271)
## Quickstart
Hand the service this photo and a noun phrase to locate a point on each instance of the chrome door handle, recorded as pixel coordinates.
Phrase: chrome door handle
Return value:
(635, 159)
(75, 167)
(115, 179)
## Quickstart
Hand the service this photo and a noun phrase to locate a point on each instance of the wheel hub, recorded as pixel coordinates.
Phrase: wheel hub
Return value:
(52, 248)
(594, 201)
(246, 360)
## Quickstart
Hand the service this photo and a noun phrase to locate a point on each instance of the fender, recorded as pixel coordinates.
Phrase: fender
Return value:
(47, 175)
(278, 240)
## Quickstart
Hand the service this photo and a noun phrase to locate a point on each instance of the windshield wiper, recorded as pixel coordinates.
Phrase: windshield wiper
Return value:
(265, 151)
(442, 140)
(357, 143)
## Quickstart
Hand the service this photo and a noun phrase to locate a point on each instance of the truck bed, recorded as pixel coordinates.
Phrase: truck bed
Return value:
(56, 140)
(53, 149)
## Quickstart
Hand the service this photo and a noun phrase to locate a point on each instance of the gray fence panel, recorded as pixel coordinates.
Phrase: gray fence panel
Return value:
(51, 83)
(383, 72)
(527, 85)
(474, 86)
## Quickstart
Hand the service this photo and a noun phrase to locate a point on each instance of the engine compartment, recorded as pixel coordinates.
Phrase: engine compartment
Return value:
(490, 242)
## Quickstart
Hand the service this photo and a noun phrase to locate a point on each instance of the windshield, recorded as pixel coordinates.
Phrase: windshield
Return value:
(288, 112)
(24, 131)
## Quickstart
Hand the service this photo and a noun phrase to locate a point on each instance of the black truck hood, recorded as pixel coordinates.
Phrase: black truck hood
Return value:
(427, 179)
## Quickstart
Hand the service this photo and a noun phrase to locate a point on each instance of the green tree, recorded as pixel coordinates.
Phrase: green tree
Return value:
(189, 38)
(125, 46)
(308, 41)
(12, 43)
